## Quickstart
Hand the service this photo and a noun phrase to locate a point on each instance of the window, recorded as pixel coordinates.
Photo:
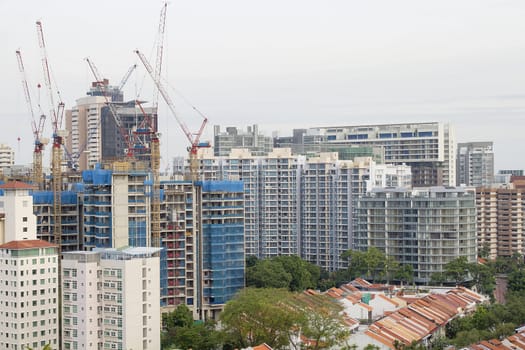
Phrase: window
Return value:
(24, 219)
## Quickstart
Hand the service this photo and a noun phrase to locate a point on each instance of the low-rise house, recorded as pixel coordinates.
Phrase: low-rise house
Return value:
(424, 318)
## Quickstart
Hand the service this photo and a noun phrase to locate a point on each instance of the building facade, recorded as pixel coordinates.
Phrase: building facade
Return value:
(29, 315)
(225, 141)
(475, 164)
(117, 206)
(202, 231)
(428, 148)
(71, 218)
(425, 228)
(501, 213)
(94, 134)
(111, 299)
(294, 205)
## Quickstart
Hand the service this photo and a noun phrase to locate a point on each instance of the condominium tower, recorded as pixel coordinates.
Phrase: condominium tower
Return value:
(425, 228)
(95, 134)
(475, 164)
(110, 299)
(501, 225)
(299, 206)
(29, 275)
(225, 141)
(428, 148)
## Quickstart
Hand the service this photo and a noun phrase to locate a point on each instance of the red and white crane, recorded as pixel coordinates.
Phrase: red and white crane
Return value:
(193, 138)
(37, 127)
(58, 134)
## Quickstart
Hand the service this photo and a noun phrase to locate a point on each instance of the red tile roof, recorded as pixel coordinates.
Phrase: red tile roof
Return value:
(27, 244)
(16, 185)
(422, 317)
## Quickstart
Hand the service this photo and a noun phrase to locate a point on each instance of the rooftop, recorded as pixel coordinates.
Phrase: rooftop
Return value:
(16, 185)
(27, 244)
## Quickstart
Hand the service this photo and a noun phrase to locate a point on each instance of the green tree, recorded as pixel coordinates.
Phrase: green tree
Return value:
(457, 270)
(390, 268)
(277, 317)
(180, 317)
(405, 274)
(251, 260)
(322, 323)
(482, 277)
(201, 336)
(356, 263)
(365, 264)
(268, 274)
(516, 280)
(299, 269)
(261, 315)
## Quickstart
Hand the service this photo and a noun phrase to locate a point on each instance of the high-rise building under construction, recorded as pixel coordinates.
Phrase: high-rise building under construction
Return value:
(95, 135)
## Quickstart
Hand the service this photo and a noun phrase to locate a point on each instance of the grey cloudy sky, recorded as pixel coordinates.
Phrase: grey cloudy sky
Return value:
(286, 64)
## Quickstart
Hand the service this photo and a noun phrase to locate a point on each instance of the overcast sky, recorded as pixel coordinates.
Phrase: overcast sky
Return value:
(284, 64)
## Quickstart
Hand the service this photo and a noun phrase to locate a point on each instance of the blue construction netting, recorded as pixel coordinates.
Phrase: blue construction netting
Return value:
(221, 186)
(223, 253)
(78, 187)
(97, 177)
(46, 197)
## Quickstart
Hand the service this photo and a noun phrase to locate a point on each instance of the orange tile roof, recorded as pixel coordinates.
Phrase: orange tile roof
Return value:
(423, 317)
(16, 185)
(26, 244)
(263, 346)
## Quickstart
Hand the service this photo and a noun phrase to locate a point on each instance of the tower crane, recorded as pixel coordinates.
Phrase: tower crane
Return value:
(193, 138)
(147, 127)
(126, 77)
(123, 132)
(58, 134)
(36, 126)
(160, 51)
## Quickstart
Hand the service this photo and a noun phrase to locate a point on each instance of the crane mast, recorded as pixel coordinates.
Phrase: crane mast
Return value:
(192, 138)
(160, 51)
(37, 127)
(56, 157)
(126, 77)
(147, 125)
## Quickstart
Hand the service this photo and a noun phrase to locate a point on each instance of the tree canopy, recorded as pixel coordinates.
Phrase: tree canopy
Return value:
(277, 317)
(290, 272)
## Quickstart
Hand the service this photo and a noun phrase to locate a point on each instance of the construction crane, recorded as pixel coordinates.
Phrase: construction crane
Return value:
(36, 126)
(116, 117)
(126, 77)
(58, 140)
(160, 51)
(193, 138)
(147, 127)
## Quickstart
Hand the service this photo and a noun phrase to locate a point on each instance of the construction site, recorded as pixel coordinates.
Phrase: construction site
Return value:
(104, 188)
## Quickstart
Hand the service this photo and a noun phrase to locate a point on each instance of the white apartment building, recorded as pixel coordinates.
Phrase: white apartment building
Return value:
(296, 205)
(29, 295)
(429, 148)
(111, 299)
(28, 275)
(17, 206)
(86, 132)
(424, 227)
(475, 164)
